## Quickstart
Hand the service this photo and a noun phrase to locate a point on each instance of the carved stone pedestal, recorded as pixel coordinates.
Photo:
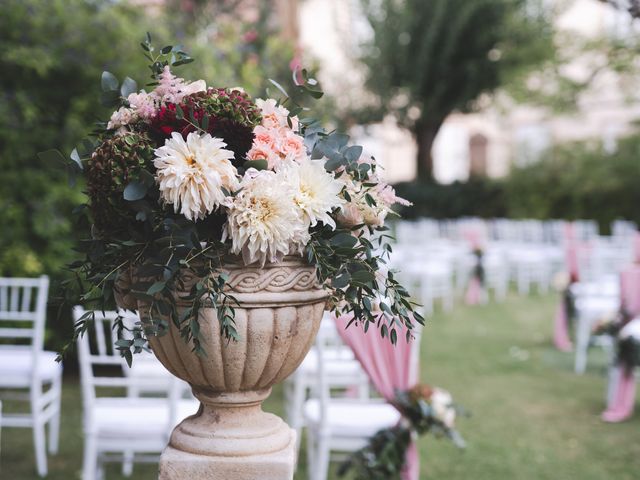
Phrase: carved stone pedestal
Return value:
(230, 438)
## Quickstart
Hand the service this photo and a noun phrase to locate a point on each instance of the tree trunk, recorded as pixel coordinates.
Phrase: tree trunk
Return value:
(425, 133)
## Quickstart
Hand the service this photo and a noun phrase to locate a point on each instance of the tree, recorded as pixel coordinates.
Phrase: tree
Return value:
(427, 59)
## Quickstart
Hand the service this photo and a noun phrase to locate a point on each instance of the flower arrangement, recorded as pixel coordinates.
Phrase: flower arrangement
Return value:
(184, 177)
(424, 409)
(625, 330)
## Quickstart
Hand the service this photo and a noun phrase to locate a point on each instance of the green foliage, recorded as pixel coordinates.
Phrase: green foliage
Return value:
(579, 180)
(479, 197)
(49, 55)
(427, 59)
(440, 55)
(574, 181)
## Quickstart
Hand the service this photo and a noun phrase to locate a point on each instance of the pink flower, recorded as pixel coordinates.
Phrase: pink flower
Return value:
(144, 104)
(350, 215)
(387, 194)
(291, 146)
(264, 151)
(274, 115)
(264, 135)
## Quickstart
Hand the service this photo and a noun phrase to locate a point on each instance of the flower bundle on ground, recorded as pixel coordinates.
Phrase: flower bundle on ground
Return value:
(184, 175)
(424, 409)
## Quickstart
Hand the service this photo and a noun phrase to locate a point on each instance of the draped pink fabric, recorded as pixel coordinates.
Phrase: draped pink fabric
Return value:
(475, 236)
(571, 252)
(636, 248)
(390, 368)
(630, 290)
(474, 292)
(623, 400)
(561, 338)
(561, 329)
(624, 397)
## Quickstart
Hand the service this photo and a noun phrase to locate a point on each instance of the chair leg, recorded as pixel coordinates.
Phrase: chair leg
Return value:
(311, 454)
(39, 441)
(54, 424)
(582, 345)
(297, 398)
(322, 458)
(90, 460)
(127, 464)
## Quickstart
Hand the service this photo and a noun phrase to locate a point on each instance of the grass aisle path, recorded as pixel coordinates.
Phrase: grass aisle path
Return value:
(532, 418)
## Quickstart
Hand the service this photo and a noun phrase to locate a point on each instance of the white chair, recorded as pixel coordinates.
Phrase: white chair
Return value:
(25, 365)
(593, 301)
(341, 370)
(530, 266)
(496, 273)
(120, 428)
(341, 425)
(433, 280)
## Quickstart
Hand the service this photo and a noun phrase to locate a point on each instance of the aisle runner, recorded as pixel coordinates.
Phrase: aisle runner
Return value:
(390, 368)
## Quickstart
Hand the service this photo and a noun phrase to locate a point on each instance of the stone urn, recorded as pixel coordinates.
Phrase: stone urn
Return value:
(279, 310)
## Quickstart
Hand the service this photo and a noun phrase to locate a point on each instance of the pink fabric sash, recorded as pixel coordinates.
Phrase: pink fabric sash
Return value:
(474, 292)
(630, 290)
(561, 338)
(390, 368)
(561, 329)
(624, 396)
(622, 403)
(475, 237)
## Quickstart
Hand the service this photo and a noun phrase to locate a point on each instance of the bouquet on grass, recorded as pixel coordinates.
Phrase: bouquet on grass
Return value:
(185, 178)
(424, 409)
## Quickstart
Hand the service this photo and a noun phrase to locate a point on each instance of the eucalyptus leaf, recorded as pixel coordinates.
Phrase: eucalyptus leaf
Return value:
(128, 87)
(108, 82)
(135, 191)
(257, 164)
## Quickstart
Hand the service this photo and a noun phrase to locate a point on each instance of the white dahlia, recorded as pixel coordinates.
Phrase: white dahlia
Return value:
(315, 191)
(264, 223)
(192, 174)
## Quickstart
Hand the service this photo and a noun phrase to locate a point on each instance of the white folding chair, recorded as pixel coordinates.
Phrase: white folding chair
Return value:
(116, 427)
(593, 301)
(341, 370)
(341, 425)
(25, 365)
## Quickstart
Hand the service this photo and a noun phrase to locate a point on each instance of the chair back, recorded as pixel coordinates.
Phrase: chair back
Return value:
(104, 372)
(323, 339)
(23, 311)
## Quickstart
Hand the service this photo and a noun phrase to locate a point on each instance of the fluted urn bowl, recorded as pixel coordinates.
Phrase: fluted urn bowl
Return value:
(277, 317)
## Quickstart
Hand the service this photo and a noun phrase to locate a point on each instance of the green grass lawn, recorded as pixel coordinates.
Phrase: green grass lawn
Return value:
(531, 416)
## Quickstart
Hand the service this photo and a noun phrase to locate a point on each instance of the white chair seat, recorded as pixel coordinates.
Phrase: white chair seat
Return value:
(593, 307)
(353, 417)
(139, 417)
(339, 361)
(16, 365)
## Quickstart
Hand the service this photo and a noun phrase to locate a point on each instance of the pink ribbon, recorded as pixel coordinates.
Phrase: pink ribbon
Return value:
(390, 368)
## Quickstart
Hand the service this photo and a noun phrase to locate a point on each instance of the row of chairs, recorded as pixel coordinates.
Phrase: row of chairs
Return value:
(128, 413)
(504, 230)
(28, 373)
